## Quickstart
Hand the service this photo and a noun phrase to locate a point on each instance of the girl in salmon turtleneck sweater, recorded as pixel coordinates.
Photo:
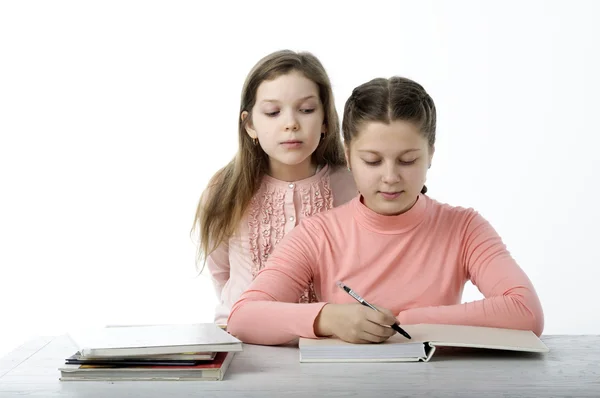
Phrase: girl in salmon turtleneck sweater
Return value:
(401, 250)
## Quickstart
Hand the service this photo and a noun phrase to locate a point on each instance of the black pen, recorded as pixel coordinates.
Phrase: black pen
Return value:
(361, 300)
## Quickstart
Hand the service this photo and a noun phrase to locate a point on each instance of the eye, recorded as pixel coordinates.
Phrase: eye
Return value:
(272, 114)
(307, 110)
(407, 162)
(372, 163)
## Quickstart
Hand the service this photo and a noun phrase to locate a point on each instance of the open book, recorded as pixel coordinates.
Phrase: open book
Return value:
(425, 339)
(154, 340)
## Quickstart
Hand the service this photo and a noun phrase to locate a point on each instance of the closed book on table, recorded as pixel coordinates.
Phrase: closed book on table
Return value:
(154, 340)
(210, 371)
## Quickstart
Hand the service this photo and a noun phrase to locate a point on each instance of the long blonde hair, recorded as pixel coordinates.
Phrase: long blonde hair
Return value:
(229, 192)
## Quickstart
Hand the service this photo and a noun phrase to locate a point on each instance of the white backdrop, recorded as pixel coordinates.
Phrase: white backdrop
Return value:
(114, 114)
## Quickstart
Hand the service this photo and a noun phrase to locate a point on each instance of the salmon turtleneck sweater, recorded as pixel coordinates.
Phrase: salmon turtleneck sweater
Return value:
(415, 264)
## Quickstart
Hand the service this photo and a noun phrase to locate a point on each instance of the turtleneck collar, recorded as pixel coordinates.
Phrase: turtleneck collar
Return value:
(390, 224)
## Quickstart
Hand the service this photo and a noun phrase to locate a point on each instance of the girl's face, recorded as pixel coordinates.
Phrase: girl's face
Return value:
(389, 163)
(287, 119)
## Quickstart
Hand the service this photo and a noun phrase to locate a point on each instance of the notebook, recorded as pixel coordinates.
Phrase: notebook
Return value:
(213, 370)
(425, 339)
(154, 340)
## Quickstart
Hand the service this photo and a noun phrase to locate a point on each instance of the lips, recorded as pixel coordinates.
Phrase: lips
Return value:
(292, 145)
(390, 195)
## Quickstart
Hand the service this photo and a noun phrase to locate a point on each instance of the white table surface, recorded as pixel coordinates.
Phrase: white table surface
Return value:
(571, 368)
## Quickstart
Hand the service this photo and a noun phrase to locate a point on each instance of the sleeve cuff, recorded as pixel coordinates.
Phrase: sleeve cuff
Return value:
(306, 316)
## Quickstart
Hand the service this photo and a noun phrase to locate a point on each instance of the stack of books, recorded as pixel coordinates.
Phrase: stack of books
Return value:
(154, 352)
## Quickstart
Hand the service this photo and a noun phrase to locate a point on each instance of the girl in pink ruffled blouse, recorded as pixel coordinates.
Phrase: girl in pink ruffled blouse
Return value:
(290, 165)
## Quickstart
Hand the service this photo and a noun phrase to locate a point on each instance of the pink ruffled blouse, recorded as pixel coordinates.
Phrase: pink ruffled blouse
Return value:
(275, 210)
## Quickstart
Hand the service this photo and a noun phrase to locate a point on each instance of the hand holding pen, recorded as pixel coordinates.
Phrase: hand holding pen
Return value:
(364, 302)
(355, 323)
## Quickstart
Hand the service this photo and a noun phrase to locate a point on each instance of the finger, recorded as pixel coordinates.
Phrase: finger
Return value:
(362, 341)
(387, 312)
(378, 330)
(384, 317)
(373, 338)
(350, 338)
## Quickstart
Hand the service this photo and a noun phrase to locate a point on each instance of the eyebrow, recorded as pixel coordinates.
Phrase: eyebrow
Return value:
(401, 153)
(299, 100)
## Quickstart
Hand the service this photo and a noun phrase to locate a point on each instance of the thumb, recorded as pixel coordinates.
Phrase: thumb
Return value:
(389, 315)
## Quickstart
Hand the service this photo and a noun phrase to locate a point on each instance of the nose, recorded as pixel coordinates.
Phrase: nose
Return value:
(391, 174)
(291, 123)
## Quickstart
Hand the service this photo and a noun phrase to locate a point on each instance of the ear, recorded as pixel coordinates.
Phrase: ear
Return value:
(431, 152)
(324, 128)
(249, 130)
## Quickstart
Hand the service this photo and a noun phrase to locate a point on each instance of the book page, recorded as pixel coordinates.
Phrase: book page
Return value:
(475, 336)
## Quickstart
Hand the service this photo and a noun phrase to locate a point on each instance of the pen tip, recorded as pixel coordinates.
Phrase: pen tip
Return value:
(339, 284)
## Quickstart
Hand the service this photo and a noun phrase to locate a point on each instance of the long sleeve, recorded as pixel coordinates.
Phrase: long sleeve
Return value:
(217, 263)
(510, 299)
(268, 312)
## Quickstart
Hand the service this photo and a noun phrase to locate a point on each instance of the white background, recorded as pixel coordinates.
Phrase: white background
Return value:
(114, 114)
